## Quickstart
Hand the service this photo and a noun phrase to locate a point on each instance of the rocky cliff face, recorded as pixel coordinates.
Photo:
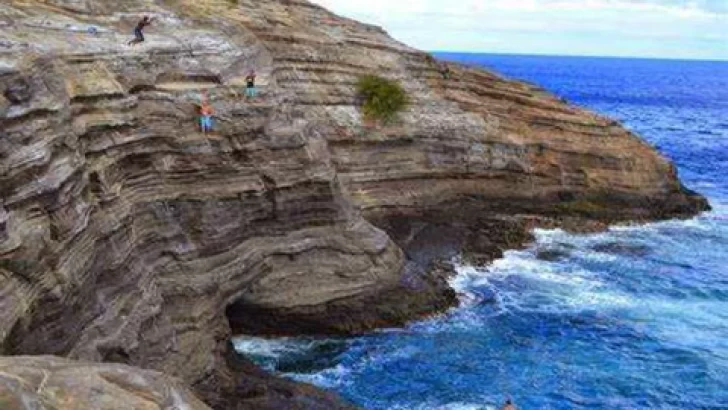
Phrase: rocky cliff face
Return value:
(128, 236)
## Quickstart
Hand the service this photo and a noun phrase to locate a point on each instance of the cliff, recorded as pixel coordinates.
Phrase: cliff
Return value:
(128, 236)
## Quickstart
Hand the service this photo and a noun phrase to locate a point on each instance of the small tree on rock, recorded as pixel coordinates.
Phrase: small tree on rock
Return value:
(382, 99)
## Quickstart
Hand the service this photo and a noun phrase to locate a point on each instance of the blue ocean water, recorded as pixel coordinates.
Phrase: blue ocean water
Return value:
(636, 317)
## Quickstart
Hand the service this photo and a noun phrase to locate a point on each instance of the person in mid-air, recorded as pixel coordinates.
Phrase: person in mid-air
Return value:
(138, 31)
(250, 84)
(509, 405)
(205, 116)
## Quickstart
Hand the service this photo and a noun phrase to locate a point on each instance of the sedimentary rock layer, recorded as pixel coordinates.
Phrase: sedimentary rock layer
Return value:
(128, 236)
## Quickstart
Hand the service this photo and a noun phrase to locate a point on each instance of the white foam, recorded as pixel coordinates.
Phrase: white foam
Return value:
(702, 223)
(330, 378)
(340, 375)
(599, 300)
(465, 275)
(525, 264)
(273, 348)
(561, 286)
(555, 286)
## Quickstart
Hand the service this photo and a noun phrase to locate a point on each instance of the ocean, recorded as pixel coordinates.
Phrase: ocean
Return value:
(635, 317)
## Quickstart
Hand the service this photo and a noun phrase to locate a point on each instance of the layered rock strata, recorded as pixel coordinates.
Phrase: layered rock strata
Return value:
(128, 236)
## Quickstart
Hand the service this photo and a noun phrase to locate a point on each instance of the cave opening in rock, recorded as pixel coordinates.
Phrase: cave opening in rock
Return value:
(246, 319)
(115, 355)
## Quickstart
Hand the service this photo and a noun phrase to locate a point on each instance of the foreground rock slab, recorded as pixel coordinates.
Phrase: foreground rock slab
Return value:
(52, 383)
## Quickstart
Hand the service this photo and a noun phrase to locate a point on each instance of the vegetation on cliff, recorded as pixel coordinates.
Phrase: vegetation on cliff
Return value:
(382, 99)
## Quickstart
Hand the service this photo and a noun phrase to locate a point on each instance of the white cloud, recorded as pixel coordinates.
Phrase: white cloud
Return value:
(653, 28)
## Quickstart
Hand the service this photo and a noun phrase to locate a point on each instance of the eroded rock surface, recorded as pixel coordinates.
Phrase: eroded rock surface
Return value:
(52, 383)
(127, 236)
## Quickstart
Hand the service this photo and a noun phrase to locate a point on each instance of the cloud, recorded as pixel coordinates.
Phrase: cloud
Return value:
(648, 28)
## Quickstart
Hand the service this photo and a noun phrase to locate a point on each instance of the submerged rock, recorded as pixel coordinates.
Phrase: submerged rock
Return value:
(128, 236)
(622, 248)
(552, 254)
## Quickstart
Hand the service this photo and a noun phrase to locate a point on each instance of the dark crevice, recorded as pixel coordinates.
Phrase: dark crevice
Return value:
(31, 115)
(3, 231)
(94, 99)
(114, 355)
(139, 88)
(196, 78)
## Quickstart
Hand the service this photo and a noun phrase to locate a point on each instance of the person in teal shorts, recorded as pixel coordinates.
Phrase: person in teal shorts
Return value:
(250, 91)
(205, 116)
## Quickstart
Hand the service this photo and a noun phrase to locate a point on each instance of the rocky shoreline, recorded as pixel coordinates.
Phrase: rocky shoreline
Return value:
(128, 237)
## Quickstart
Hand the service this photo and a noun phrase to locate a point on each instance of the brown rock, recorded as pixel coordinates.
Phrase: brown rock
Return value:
(52, 383)
(127, 236)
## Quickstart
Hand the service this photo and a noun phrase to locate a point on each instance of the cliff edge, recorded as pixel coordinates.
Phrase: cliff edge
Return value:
(128, 236)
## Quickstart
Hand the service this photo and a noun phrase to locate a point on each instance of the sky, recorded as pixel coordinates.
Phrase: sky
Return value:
(692, 29)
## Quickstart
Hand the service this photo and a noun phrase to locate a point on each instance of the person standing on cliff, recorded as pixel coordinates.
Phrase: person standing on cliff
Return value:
(250, 91)
(138, 31)
(205, 115)
(445, 71)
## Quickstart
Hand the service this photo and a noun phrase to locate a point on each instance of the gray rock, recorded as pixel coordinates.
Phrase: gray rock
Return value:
(18, 91)
(52, 383)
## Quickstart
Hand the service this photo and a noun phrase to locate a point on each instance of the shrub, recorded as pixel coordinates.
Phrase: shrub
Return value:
(382, 99)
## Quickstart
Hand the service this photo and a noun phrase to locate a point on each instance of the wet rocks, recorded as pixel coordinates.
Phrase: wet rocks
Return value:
(626, 249)
(552, 254)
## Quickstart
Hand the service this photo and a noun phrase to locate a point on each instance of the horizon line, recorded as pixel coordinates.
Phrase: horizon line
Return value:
(686, 59)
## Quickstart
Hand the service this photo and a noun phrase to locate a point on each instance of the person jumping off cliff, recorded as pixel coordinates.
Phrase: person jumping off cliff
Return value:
(250, 91)
(205, 115)
(138, 31)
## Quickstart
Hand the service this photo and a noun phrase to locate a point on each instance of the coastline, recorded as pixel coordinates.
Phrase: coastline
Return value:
(126, 236)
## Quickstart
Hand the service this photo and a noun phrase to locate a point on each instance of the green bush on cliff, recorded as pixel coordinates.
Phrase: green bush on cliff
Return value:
(382, 99)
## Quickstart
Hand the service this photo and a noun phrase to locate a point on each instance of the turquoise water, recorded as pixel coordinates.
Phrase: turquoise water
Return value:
(636, 317)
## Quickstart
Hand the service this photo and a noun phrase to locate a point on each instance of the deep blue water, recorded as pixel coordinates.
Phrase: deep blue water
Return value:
(636, 317)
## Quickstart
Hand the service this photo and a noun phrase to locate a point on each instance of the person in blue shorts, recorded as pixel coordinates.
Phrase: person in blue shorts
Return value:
(138, 31)
(250, 90)
(205, 116)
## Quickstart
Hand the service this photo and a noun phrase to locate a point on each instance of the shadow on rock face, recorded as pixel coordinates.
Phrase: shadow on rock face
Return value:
(413, 298)
(18, 92)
